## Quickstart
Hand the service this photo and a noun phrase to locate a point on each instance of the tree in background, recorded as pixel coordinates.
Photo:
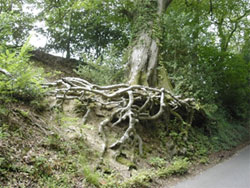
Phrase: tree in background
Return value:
(197, 63)
(78, 27)
(15, 22)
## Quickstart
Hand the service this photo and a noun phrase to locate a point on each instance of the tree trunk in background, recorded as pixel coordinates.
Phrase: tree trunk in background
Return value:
(143, 59)
(68, 50)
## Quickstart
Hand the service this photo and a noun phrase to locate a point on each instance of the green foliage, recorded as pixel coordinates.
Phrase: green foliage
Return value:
(142, 179)
(126, 162)
(15, 23)
(55, 181)
(198, 66)
(103, 71)
(204, 47)
(4, 166)
(3, 111)
(179, 166)
(90, 176)
(229, 74)
(3, 131)
(39, 106)
(73, 161)
(227, 134)
(54, 142)
(198, 144)
(80, 108)
(24, 83)
(41, 167)
(75, 27)
(157, 162)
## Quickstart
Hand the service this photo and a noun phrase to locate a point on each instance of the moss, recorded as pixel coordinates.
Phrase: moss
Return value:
(143, 78)
(163, 80)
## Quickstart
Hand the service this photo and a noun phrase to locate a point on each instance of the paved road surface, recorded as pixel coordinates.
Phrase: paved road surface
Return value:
(232, 173)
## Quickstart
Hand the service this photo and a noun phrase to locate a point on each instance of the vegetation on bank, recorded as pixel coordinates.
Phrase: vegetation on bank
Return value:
(46, 144)
(48, 158)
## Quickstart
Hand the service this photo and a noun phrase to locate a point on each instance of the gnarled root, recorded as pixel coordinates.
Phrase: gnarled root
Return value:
(133, 103)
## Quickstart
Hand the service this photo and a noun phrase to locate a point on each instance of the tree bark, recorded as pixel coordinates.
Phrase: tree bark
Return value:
(144, 56)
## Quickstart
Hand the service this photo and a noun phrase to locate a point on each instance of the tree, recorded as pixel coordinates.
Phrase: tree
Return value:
(143, 57)
(140, 100)
(229, 17)
(15, 22)
(77, 27)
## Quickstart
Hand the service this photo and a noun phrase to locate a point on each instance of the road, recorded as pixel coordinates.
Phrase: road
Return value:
(232, 173)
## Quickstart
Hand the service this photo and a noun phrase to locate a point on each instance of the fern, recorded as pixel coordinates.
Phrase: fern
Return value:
(24, 83)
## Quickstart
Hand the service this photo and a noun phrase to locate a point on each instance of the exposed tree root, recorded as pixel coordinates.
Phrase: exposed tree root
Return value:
(134, 104)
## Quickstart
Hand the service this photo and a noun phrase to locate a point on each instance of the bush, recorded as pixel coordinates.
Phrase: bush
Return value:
(157, 162)
(24, 83)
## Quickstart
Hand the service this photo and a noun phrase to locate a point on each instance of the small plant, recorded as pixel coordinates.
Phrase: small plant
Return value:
(3, 132)
(89, 175)
(3, 166)
(54, 142)
(80, 108)
(68, 121)
(41, 167)
(126, 162)
(157, 162)
(178, 167)
(54, 182)
(142, 180)
(204, 160)
(24, 83)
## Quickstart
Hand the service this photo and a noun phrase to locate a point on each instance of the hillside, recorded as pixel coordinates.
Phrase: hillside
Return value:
(46, 143)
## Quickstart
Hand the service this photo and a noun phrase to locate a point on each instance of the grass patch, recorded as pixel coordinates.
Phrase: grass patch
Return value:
(144, 178)
(90, 176)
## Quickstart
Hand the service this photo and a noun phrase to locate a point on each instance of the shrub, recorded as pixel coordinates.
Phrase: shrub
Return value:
(24, 83)
(157, 162)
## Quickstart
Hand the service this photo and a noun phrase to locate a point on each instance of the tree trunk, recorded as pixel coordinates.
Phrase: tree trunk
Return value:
(143, 59)
(68, 50)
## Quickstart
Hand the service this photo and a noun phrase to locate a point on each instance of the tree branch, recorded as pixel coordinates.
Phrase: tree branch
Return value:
(5, 72)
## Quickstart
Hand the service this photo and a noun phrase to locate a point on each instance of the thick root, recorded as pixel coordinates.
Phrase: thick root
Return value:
(133, 103)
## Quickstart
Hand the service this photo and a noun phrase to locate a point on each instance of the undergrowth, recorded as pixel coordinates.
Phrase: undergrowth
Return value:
(24, 82)
(30, 158)
(144, 178)
(105, 70)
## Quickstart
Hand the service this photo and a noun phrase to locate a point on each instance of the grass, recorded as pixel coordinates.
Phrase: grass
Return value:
(144, 178)
(90, 176)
